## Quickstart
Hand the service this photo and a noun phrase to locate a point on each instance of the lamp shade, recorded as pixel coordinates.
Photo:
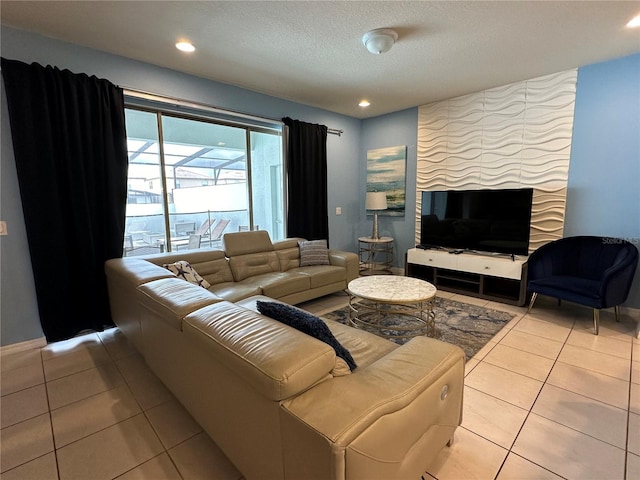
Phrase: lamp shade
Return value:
(376, 201)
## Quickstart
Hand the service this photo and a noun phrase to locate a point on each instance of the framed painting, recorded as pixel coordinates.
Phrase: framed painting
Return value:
(386, 172)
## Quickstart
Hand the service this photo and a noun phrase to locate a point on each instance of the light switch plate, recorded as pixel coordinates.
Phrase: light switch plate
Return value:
(3, 228)
(338, 210)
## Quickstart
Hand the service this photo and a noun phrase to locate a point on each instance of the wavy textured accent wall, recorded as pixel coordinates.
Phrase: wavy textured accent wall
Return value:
(514, 136)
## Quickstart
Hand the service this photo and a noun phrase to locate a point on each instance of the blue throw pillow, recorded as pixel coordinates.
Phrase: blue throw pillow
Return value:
(306, 323)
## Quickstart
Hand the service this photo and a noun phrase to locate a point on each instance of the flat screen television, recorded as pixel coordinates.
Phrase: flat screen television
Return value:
(478, 220)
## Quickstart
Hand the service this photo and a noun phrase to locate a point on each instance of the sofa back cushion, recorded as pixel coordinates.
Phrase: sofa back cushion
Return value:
(288, 253)
(252, 264)
(216, 271)
(212, 265)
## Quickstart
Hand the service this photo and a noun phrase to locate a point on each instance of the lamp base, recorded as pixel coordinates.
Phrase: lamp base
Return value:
(374, 233)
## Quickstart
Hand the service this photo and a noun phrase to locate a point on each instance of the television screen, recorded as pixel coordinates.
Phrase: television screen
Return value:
(477, 220)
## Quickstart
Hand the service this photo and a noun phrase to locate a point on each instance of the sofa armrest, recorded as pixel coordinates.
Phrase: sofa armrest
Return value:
(124, 275)
(348, 260)
(384, 421)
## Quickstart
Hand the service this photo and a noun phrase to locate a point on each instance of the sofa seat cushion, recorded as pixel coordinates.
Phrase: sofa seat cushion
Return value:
(321, 275)
(277, 285)
(274, 359)
(365, 347)
(171, 299)
(233, 292)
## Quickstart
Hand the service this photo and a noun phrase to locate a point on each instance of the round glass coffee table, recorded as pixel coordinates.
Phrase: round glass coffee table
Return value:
(392, 306)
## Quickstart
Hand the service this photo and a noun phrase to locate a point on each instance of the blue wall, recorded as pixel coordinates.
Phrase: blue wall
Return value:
(19, 319)
(603, 196)
(604, 175)
(398, 128)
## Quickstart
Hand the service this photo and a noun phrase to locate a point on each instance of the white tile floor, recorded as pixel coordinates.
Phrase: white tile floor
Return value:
(544, 399)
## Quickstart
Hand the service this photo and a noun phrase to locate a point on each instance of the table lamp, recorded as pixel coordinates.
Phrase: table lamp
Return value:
(375, 201)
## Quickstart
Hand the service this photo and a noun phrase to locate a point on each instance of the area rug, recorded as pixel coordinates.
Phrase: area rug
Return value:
(468, 326)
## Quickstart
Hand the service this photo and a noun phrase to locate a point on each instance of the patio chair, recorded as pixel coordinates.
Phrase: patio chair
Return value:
(127, 245)
(205, 227)
(184, 228)
(218, 230)
(194, 242)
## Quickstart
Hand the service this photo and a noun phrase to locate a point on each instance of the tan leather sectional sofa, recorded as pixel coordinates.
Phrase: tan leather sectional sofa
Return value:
(272, 397)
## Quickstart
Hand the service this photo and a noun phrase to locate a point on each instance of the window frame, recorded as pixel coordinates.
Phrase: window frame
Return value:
(179, 109)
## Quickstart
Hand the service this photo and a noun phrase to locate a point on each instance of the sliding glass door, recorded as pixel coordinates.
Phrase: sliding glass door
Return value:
(191, 180)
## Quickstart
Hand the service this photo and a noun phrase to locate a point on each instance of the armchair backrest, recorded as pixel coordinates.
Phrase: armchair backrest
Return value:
(583, 256)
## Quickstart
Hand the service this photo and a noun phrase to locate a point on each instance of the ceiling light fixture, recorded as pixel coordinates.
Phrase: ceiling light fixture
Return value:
(364, 103)
(380, 40)
(634, 22)
(185, 47)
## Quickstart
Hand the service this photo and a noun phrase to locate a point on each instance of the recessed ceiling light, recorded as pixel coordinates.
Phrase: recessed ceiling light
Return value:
(364, 103)
(634, 22)
(185, 47)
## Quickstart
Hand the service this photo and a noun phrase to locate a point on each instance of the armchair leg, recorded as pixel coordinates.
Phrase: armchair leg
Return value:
(596, 318)
(533, 299)
(617, 310)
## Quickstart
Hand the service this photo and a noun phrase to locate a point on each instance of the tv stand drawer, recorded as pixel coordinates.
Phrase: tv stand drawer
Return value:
(433, 258)
(495, 267)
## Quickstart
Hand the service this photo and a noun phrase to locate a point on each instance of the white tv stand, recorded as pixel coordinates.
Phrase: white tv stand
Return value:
(491, 276)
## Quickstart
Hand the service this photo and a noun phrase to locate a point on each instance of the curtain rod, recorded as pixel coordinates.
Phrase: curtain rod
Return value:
(132, 92)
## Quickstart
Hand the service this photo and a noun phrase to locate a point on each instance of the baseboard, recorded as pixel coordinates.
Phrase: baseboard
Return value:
(634, 313)
(21, 346)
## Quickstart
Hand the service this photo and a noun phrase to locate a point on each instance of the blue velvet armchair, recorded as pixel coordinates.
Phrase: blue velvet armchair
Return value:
(593, 271)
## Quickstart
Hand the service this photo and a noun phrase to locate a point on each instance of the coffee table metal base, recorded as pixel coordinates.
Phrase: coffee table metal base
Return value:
(393, 320)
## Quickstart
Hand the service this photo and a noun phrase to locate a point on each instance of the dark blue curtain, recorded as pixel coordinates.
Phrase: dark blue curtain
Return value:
(307, 214)
(69, 141)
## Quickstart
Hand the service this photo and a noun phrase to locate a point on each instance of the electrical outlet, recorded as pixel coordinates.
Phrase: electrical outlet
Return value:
(3, 228)
(338, 210)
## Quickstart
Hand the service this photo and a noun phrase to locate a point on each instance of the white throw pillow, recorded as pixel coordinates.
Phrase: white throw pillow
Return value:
(183, 269)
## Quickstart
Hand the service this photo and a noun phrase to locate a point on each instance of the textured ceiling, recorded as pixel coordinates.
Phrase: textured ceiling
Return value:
(311, 51)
